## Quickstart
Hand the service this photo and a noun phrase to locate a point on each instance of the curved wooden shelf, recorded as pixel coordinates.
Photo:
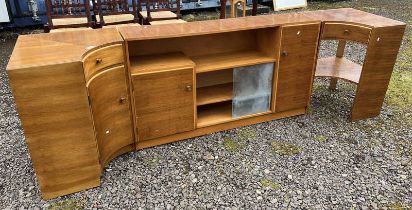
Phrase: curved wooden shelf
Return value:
(341, 68)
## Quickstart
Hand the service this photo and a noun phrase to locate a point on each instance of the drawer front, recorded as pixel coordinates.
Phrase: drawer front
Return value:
(346, 31)
(164, 103)
(296, 66)
(99, 59)
(112, 118)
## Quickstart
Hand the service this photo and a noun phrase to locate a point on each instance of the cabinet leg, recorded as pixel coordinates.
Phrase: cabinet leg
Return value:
(333, 83)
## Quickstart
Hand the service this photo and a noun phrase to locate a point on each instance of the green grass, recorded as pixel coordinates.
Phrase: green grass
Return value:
(246, 134)
(321, 139)
(69, 204)
(398, 206)
(286, 149)
(153, 161)
(269, 184)
(232, 145)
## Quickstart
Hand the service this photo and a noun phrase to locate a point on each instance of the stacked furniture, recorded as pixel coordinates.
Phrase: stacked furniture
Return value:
(85, 98)
(68, 15)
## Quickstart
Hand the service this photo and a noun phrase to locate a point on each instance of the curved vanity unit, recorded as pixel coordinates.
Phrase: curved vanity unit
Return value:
(87, 97)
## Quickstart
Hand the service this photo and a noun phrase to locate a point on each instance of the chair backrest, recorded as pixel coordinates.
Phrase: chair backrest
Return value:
(68, 14)
(163, 5)
(113, 12)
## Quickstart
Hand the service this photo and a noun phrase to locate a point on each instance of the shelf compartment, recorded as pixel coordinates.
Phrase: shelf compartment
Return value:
(213, 114)
(341, 68)
(159, 62)
(214, 78)
(214, 94)
(213, 62)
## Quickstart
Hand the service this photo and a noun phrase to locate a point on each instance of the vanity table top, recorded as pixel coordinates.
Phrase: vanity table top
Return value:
(56, 48)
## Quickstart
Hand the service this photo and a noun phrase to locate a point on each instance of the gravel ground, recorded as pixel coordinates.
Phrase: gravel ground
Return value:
(317, 161)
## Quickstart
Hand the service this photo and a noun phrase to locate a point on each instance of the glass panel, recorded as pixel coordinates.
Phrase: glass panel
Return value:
(252, 89)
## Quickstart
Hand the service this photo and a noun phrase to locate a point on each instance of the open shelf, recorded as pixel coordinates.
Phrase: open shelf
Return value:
(341, 68)
(159, 62)
(213, 114)
(213, 62)
(214, 94)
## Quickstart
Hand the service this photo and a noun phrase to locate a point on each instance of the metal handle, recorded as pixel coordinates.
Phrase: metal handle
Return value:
(99, 60)
(188, 88)
(346, 32)
(122, 100)
(284, 53)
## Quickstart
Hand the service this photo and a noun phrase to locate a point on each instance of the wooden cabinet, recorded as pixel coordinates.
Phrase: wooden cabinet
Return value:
(110, 105)
(296, 66)
(164, 103)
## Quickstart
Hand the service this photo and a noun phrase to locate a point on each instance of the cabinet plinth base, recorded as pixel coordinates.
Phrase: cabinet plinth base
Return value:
(219, 127)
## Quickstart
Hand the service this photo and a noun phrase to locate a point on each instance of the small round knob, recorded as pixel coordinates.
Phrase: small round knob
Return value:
(346, 32)
(99, 60)
(284, 53)
(188, 88)
(122, 100)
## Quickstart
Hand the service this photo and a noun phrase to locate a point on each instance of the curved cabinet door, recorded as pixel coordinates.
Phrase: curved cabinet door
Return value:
(111, 113)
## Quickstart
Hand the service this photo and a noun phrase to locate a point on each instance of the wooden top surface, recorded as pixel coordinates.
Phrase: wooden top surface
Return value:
(66, 47)
(212, 26)
(348, 15)
(63, 47)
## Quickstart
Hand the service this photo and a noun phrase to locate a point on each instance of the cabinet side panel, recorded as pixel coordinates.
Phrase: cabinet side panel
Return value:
(376, 72)
(53, 107)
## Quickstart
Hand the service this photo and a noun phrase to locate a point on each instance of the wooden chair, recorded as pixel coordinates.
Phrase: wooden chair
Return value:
(160, 10)
(233, 7)
(232, 3)
(115, 12)
(67, 15)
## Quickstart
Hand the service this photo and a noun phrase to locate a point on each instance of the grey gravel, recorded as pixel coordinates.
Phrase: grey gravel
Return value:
(360, 165)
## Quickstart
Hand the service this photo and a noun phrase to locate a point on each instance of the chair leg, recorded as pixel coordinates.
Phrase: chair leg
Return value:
(244, 8)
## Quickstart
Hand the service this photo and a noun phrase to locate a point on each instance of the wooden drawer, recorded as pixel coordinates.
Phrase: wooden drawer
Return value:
(346, 31)
(101, 58)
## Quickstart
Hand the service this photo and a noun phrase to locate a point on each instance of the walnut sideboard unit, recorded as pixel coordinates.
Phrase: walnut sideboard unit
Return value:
(87, 97)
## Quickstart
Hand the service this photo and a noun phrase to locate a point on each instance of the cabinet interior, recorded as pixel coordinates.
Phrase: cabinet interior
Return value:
(215, 57)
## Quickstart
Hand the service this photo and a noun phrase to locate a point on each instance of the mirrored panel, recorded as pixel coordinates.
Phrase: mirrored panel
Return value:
(252, 89)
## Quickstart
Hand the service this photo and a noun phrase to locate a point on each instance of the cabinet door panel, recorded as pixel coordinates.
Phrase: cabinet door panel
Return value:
(296, 66)
(164, 103)
(111, 112)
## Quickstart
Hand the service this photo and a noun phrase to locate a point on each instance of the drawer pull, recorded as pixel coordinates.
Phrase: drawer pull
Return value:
(122, 100)
(99, 60)
(346, 32)
(188, 88)
(285, 53)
